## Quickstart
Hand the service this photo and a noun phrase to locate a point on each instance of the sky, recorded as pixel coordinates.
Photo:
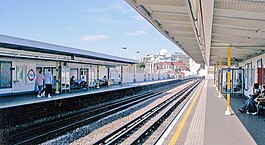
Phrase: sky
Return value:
(104, 26)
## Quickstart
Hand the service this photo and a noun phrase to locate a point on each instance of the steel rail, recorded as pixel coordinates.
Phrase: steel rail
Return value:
(57, 127)
(125, 130)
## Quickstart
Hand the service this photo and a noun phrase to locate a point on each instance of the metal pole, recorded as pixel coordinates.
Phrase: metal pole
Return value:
(227, 112)
(121, 75)
(97, 76)
(135, 65)
(214, 76)
(220, 86)
(57, 78)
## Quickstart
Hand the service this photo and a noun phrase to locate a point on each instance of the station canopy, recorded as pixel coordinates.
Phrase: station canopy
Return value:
(24, 48)
(204, 29)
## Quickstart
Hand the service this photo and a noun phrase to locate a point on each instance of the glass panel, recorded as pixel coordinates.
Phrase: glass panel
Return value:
(224, 81)
(259, 71)
(5, 75)
(73, 73)
(19, 73)
(249, 75)
(237, 81)
(83, 74)
(246, 77)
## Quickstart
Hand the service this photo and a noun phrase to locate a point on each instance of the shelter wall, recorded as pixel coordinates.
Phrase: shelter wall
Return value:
(251, 72)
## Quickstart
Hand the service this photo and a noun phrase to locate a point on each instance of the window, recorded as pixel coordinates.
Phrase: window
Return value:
(249, 74)
(253, 74)
(19, 73)
(5, 74)
(259, 71)
(246, 77)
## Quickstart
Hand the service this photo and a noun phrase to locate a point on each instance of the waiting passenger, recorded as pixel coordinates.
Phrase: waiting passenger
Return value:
(39, 82)
(72, 82)
(48, 83)
(262, 96)
(250, 106)
(83, 82)
(83, 79)
(105, 80)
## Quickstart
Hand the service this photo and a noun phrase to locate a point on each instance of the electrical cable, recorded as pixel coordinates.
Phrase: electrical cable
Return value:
(194, 19)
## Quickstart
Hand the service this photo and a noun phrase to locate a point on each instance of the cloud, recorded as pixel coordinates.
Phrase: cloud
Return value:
(139, 32)
(94, 37)
(138, 18)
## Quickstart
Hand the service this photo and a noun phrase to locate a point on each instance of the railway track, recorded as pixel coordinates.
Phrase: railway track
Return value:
(151, 119)
(44, 131)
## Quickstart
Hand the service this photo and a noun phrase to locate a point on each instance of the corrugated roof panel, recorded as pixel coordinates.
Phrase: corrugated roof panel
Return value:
(161, 3)
(172, 9)
(241, 5)
(174, 21)
(239, 23)
(181, 34)
(239, 14)
(177, 28)
(173, 17)
(232, 31)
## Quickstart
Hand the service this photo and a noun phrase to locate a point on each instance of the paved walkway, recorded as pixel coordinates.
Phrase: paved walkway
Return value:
(207, 123)
(7, 101)
(220, 129)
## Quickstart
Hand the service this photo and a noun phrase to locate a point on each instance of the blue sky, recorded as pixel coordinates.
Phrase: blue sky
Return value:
(103, 26)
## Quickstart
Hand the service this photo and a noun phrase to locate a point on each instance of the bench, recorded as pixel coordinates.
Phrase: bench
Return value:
(260, 104)
(92, 85)
(65, 87)
(115, 81)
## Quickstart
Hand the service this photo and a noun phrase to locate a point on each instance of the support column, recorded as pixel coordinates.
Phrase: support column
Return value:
(57, 78)
(98, 76)
(217, 76)
(227, 112)
(134, 78)
(220, 83)
(121, 75)
(108, 73)
(108, 76)
(214, 77)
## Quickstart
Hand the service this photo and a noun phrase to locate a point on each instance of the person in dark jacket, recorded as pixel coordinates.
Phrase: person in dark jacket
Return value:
(249, 106)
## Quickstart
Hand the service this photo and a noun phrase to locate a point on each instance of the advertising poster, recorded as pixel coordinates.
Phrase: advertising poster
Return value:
(19, 73)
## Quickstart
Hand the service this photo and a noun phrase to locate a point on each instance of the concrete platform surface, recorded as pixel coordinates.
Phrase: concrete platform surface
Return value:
(207, 123)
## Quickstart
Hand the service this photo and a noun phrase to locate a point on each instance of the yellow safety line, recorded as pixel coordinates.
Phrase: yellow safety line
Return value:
(184, 119)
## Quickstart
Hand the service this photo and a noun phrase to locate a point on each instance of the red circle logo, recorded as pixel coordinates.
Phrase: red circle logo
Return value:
(31, 74)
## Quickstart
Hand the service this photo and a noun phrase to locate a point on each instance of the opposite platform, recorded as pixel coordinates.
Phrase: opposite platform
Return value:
(17, 100)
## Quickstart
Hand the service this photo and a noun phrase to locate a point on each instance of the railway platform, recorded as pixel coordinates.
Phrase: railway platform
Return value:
(17, 100)
(204, 122)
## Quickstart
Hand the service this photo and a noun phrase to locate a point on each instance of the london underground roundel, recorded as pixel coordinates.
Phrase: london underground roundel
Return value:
(31, 74)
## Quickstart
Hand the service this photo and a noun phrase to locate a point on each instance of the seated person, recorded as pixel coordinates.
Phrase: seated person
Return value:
(105, 80)
(262, 96)
(250, 106)
(72, 81)
(82, 82)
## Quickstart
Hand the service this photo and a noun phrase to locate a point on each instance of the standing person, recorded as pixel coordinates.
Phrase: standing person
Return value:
(39, 82)
(48, 83)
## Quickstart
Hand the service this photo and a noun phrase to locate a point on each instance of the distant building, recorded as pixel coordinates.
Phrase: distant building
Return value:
(175, 65)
